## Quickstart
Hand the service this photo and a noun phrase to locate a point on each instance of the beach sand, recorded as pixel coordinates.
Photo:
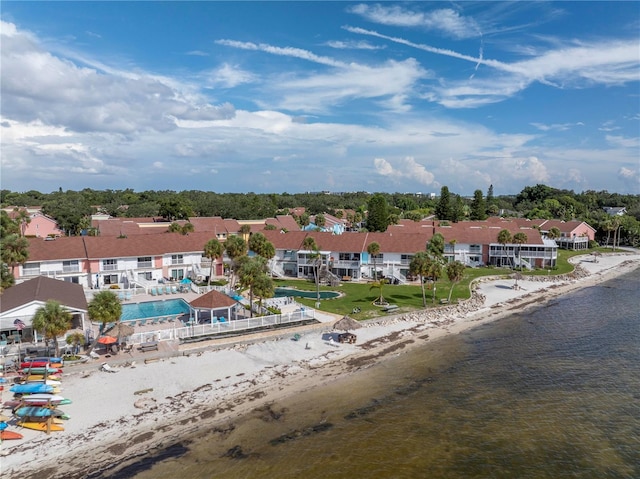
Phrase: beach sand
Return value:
(149, 405)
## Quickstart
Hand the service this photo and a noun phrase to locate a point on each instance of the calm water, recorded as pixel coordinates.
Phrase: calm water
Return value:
(154, 309)
(553, 393)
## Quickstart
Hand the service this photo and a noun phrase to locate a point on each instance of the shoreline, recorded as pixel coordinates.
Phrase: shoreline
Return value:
(119, 418)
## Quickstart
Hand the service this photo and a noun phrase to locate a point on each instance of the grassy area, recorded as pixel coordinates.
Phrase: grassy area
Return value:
(409, 297)
(406, 297)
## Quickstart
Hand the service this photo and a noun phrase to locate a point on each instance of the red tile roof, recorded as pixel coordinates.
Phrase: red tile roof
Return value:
(213, 300)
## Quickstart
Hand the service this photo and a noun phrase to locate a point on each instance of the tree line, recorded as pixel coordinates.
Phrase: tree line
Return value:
(72, 210)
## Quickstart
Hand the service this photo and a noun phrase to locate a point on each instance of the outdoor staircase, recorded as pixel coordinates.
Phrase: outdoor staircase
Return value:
(143, 283)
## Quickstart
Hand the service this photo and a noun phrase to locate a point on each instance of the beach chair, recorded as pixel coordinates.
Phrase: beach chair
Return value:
(160, 290)
(153, 292)
(155, 320)
(167, 289)
(142, 322)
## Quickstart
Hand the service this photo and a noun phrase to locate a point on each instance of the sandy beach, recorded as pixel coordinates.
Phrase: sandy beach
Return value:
(150, 404)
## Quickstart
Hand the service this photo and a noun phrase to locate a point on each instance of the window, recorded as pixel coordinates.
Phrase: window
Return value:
(109, 264)
(177, 274)
(177, 259)
(31, 269)
(145, 262)
(146, 275)
(110, 279)
(71, 266)
(72, 279)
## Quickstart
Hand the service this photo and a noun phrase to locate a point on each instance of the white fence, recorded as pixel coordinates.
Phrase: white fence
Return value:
(181, 330)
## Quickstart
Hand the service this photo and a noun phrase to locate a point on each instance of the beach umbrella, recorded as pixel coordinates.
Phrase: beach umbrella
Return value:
(347, 323)
(107, 339)
(185, 281)
(121, 330)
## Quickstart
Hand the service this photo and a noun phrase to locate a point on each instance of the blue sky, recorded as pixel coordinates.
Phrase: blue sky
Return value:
(308, 96)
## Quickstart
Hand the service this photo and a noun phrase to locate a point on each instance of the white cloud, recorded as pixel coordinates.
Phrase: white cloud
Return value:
(354, 45)
(569, 65)
(445, 20)
(83, 99)
(229, 76)
(404, 168)
(623, 142)
(392, 82)
(556, 126)
(282, 51)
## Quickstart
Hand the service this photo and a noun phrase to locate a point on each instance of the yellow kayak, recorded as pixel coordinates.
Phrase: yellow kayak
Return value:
(41, 426)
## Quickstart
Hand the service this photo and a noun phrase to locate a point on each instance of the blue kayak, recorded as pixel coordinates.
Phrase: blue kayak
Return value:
(33, 411)
(31, 388)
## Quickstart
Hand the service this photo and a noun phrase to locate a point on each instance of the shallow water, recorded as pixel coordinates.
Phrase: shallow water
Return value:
(551, 393)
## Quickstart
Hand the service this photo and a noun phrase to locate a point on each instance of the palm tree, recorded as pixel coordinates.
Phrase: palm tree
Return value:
(174, 228)
(250, 272)
(616, 223)
(245, 230)
(519, 238)
(23, 218)
(52, 320)
(14, 250)
(263, 287)
(455, 273)
(379, 285)
(105, 308)
(187, 228)
(504, 237)
(236, 247)
(309, 244)
(452, 243)
(213, 250)
(554, 233)
(420, 265)
(435, 271)
(76, 340)
(374, 249)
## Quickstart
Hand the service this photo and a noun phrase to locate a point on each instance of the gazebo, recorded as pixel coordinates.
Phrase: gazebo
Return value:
(214, 302)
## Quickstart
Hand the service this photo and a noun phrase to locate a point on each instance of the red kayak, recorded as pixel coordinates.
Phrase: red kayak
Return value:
(9, 435)
(35, 364)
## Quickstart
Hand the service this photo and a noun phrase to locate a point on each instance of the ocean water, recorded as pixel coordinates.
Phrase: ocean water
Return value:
(550, 393)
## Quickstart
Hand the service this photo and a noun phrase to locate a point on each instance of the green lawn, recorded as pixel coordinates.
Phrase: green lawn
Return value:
(409, 297)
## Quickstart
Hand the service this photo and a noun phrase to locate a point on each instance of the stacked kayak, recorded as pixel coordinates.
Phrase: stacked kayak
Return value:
(36, 396)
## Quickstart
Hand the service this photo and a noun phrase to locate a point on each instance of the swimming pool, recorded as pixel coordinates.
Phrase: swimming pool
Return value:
(280, 292)
(154, 309)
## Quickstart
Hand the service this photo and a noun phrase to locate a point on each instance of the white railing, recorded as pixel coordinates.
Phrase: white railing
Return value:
(213, 327)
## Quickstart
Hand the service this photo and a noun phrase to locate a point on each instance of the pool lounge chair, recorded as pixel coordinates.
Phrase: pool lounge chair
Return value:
(174, 289)
(155, 320)
(121, 296)
(128, 295)
(160, 290)
(142, 322)
(162, 320)
(167, 289)
(153, 292)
